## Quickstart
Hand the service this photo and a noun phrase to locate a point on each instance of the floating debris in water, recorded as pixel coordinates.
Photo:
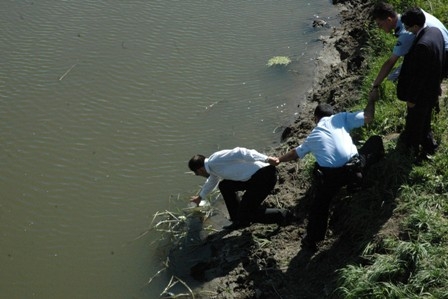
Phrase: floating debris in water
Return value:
(279, 60)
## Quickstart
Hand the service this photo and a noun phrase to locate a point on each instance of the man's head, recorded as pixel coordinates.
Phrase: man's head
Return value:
(196, 164)
(323, 110)
(413, 19)
(385, 16)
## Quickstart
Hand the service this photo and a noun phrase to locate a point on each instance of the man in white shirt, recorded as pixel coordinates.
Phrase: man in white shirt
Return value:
(240, 169)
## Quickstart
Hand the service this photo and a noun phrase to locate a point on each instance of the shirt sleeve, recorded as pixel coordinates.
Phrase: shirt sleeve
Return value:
(209, 185)
(302, 150)
(404, 43)
(252, 155)
(355, 120)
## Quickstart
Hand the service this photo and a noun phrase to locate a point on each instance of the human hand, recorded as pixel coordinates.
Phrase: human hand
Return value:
(274, 161)
(196, 199)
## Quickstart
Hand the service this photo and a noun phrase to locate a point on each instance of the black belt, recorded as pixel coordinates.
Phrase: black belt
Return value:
(355, 164)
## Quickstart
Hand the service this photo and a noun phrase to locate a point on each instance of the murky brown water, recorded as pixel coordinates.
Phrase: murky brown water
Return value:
(101, 105)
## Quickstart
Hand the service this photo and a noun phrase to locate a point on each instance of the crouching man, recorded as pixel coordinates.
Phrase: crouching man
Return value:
(240, 169)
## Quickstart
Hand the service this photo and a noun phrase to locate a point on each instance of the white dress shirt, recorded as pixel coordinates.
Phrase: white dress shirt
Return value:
(238, 164)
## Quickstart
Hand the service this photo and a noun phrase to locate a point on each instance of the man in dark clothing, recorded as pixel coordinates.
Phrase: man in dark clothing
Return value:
(419, 83)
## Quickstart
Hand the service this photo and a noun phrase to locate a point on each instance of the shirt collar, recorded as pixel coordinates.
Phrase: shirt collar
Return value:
(206, 165)
(399, 27)
(421, 29)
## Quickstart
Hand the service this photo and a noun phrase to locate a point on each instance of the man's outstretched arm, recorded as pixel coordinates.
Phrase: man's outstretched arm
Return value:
(369, 111)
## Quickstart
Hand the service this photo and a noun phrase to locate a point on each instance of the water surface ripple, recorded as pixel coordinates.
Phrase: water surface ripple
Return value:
(101, 105)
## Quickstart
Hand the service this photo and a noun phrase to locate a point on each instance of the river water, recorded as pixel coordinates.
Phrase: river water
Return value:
(103, 103)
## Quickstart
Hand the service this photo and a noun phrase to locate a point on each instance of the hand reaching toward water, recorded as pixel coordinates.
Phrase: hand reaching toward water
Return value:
(196, 199)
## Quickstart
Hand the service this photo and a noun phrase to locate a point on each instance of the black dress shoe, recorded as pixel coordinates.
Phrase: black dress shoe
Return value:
(309, 244)
(287, 218)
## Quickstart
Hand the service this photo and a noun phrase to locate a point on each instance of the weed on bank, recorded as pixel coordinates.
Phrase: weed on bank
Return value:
(408, 256)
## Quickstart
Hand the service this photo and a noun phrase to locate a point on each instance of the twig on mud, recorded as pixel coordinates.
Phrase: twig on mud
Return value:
(174, 228)
(160, 271)
(176, 220)
(274, 269)
(172, 283)
(185, 285)
(155, 275)
(261, 242)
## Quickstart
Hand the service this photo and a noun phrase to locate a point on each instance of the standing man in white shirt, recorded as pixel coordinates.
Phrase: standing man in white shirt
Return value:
(240, 169)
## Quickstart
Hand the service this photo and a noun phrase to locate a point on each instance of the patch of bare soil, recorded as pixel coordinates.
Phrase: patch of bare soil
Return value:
(266, 261)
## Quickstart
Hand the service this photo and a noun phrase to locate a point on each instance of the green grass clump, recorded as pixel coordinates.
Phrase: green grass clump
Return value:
(278, 61)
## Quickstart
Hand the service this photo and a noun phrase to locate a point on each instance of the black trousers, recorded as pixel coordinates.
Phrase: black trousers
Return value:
(257, 188)
(446, 65)
(418, 129)
(331, 180)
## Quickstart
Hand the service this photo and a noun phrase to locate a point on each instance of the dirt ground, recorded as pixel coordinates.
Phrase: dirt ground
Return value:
(266, 261)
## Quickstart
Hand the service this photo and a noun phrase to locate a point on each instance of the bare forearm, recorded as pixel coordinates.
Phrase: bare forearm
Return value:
(385, 70)
(289, 156)
(369, 112)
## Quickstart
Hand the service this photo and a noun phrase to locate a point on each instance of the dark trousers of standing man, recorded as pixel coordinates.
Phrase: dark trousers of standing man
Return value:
(446, 65)
(330, 180)
(418, 129)
(257, 188)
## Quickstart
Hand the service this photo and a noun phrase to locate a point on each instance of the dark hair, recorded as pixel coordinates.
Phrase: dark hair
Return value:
(196, 162)
(383, 11)
(323, 110)
(413, 16)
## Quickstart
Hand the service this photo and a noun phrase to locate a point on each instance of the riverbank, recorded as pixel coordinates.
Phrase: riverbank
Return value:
(266, 261)
(388, 240)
